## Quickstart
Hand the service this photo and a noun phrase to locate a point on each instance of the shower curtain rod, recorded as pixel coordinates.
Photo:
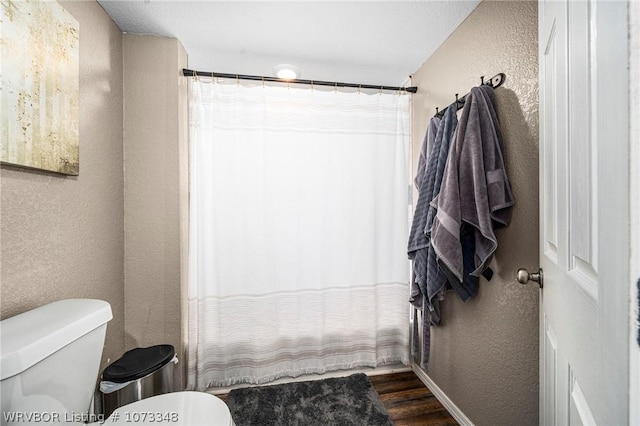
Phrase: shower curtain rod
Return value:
(495, 81)
(191, 73)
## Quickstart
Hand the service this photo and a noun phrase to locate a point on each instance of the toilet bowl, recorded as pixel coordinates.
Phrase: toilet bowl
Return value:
(178, 408)
(49, 364)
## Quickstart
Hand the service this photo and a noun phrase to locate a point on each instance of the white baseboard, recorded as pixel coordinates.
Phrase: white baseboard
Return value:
(452, 408)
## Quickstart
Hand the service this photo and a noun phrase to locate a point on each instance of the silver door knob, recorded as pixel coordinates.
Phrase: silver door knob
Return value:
(524, 276)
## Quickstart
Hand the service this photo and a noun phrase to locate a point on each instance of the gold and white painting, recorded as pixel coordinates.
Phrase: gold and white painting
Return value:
(39, 77)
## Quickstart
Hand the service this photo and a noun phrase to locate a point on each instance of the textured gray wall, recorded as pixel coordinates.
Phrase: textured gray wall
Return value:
(154, 99)
(62, 237)
(484, 356)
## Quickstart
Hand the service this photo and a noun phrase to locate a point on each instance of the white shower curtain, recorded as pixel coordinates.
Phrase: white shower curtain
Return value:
(298, 226)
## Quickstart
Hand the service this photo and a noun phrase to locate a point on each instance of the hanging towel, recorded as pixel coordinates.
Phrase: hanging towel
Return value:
(475, 189)
(435, 277)
(425, 150)
(417, 248)
(428, 280)
(417, 239)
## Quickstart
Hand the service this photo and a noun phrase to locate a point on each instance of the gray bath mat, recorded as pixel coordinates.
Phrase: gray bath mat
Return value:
(342, 401)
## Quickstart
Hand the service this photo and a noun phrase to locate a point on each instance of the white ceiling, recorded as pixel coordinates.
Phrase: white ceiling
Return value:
(368, 42)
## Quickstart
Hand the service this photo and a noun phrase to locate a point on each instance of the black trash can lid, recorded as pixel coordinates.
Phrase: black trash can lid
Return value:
(138, 362)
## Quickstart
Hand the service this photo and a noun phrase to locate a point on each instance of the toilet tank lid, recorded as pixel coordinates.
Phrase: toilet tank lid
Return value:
(30, 337)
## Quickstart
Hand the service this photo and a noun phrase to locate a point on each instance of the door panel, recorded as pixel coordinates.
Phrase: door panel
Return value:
(584, 214)
(550, 415)
(579, 410)
(552, 97)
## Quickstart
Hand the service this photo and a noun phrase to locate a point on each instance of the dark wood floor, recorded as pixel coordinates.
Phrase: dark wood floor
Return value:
(407, 400)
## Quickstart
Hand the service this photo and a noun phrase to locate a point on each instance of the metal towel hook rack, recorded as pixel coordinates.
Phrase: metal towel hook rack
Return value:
(495, 82)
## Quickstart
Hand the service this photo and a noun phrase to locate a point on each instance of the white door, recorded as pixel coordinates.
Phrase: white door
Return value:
(584, 245)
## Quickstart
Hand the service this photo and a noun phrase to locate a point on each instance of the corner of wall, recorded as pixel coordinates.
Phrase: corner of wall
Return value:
(154, 138)
(183, 157)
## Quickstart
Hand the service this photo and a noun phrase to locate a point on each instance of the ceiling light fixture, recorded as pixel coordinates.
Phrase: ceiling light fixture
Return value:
(286, 72)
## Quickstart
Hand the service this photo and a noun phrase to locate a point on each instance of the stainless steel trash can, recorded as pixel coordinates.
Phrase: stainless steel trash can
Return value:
(140, 373)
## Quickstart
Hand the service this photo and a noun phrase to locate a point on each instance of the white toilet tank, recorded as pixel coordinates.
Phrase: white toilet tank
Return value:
(50, 360)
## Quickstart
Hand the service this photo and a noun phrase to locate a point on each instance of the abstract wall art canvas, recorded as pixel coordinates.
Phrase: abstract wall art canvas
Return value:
(39, 86)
